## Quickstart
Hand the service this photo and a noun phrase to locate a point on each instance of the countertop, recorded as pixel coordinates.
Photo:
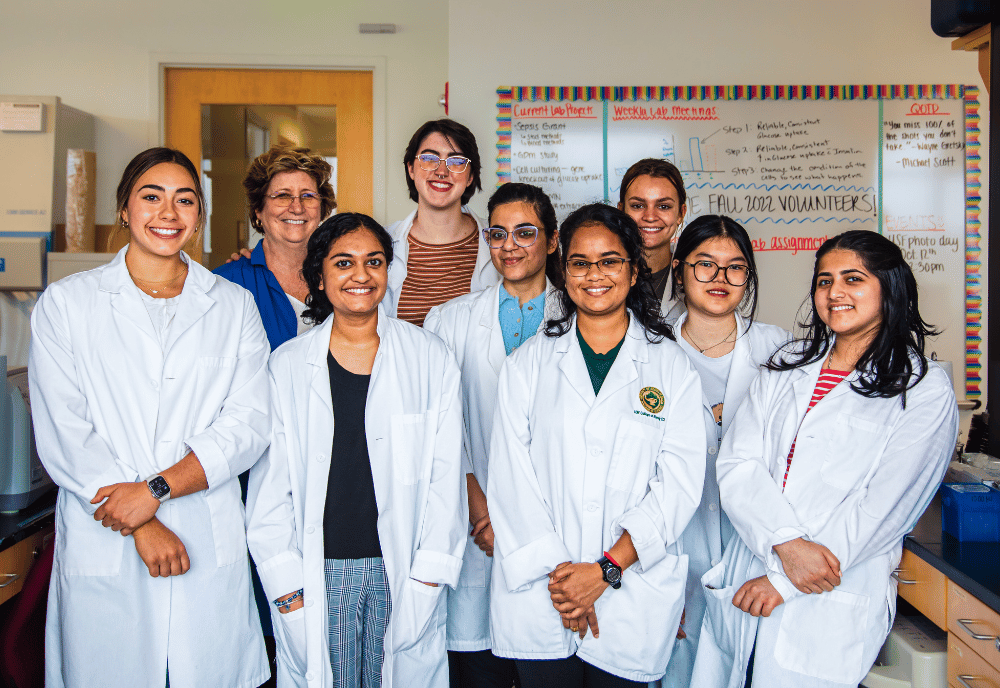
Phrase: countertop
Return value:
(974, 566)
(29, 520)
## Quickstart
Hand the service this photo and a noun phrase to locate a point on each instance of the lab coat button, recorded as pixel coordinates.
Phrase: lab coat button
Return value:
(712, 507)
(591, 507)
(310, 530)
(595, 452)
(319, 458)
(309, 602)
(310, 676)
(711, 450)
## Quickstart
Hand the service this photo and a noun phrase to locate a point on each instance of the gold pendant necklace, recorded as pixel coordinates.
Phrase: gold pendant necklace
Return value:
(698, 346)
(148, 286)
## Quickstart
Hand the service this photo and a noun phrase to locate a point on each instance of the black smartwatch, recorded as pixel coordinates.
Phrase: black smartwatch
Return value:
(612, 573)
(158, 487)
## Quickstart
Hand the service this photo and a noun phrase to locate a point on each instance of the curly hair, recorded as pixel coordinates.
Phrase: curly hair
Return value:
(284, 159)
(318, 305)
(641, 300)
(886, 366)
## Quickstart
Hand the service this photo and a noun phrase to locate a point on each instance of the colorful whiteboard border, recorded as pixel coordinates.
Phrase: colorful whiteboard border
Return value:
(507, 95)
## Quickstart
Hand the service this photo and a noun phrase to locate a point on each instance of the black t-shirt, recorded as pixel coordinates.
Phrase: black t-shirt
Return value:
(351, 515)
(659, 281)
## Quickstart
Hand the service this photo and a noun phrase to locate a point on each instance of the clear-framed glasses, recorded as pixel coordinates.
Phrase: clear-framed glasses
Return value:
(283, 199)
(454, 163)
(524, 236)
(608, 266)
(707, 270)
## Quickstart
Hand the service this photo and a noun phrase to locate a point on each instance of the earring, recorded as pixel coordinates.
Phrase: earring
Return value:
(125, 224)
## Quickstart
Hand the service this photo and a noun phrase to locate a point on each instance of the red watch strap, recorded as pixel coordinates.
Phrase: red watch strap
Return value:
(611, 559)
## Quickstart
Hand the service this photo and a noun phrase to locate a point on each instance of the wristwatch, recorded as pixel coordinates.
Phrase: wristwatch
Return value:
(159, 487)
(612, 572)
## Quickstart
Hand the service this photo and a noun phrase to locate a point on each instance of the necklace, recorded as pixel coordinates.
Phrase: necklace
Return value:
(698, 346)
(148, 286)
(661, 284)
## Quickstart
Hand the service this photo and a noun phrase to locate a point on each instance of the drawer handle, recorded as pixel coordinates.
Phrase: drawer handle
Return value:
(963, 680)
(964, 623)
(903, 581)
(11, 578)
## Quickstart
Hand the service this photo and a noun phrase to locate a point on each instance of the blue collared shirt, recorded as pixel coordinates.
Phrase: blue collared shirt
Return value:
(276, 311)
(519, 323)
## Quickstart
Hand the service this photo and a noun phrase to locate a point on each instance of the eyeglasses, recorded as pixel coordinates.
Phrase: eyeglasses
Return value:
(607, 266)
(454, 163)
(707, 270)
(283, 199)
(524, 236)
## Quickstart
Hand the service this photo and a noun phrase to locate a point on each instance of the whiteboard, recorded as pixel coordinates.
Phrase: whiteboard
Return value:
(793, 170)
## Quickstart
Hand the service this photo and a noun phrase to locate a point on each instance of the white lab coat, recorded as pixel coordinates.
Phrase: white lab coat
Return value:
(570, 472)
(413, 425)
(470, 326)
(864, 470)
(703, 538)
(484, 275)
(109, 405)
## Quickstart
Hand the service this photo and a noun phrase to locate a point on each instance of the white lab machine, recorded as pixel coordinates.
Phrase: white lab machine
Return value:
(914, 656)
(22, 477)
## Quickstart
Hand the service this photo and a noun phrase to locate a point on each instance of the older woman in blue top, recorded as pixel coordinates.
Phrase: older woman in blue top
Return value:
(289, 194)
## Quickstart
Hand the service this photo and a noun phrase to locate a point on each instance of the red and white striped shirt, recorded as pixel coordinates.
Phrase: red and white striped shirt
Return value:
(828, 379)
(435, 273)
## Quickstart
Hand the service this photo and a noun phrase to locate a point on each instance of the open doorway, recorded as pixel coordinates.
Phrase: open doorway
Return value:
(254, 97)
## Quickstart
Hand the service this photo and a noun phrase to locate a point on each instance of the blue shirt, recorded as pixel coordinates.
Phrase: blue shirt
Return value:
(276, 311)
(519, 323)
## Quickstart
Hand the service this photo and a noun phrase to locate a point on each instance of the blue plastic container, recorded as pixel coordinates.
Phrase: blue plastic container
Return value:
(970, 512)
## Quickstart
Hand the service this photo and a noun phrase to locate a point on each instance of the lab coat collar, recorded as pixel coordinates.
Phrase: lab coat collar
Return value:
(622, 372)
(490, 319)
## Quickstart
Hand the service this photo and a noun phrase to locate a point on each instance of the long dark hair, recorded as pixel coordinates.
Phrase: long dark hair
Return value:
(641, 301)
(709, 227)
(319, 306)
(540, 203)
(886, 368)
(144, 162)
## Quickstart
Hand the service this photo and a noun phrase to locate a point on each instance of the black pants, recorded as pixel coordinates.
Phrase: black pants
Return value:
(571, 672)
(481, 669)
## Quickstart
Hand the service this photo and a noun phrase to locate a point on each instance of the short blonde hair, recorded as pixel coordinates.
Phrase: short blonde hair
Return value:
(285, 159)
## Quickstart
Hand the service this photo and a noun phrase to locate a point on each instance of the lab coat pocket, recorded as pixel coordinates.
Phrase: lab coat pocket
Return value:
(407, 446)
(721, 618)
(823, 635)
(474, 566)
(414, 614)
(83, 547)
(632, 458)
(853, 447)
(292, 645)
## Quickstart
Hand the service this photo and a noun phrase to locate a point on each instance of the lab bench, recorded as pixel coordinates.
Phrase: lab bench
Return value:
(23, 536)
(957, 586)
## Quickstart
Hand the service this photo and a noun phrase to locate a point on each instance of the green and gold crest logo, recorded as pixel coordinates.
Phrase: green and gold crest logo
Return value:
(652, 399)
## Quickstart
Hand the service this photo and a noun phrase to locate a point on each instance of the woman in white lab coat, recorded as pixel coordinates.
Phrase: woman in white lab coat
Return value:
(149, 397)
(439, 255)
(482, 328)
(715, 277)
(840, 445)
(357, 512)
(597, 460)
(652, 193)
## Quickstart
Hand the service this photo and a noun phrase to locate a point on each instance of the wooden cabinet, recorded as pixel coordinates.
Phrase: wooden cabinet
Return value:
(924, 587)
(973, 644)
(966, 669)
(16, 560)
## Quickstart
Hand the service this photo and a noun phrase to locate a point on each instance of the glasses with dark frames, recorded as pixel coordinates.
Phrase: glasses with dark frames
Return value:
(707, 270)
(608, 266)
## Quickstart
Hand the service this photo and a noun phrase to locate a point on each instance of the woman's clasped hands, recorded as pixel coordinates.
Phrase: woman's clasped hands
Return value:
(809, 566)
(574, 588)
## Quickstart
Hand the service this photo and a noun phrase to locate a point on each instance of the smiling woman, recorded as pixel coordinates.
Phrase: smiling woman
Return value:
(149, 383)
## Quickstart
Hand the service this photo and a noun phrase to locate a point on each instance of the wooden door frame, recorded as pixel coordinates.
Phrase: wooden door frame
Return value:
(160, 62)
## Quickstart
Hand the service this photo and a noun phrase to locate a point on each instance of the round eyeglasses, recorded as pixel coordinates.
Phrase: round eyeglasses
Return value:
(284, 199)
(707, 270)
(454, 163)
(607, 266)
(524, 236)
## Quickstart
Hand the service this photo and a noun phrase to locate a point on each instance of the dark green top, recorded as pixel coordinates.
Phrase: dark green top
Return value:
(598, 365)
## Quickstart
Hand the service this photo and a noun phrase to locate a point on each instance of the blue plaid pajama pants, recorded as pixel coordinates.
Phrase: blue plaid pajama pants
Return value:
(357, 594)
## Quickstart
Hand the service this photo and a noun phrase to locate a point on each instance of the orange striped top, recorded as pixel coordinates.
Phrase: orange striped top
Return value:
(828, 379)
(435, 273)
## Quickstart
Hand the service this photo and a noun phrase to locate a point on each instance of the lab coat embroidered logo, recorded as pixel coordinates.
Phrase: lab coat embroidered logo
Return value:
(652, 399)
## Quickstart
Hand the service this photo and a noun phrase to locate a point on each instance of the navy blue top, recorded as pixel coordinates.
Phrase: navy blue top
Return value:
(276, 311)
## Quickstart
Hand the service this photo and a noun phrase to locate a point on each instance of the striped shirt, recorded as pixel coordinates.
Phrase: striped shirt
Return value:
(435, 273)
(828, 379)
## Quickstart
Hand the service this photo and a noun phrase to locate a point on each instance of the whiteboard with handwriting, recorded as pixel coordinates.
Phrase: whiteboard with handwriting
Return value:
(793, 172)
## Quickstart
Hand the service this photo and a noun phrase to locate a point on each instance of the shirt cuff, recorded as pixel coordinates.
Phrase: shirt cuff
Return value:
(212, 459)
(281, 574)
(534, 561)
(783, 585)
(435, 567)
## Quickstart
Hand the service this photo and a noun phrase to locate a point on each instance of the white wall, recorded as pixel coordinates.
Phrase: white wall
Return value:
(691, 42)
(96, 55)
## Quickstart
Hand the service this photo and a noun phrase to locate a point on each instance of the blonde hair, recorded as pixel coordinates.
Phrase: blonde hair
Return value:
(285, 159)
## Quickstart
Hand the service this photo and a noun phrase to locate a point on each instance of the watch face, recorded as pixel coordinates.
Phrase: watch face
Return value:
(158, 486)
(612, 574)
